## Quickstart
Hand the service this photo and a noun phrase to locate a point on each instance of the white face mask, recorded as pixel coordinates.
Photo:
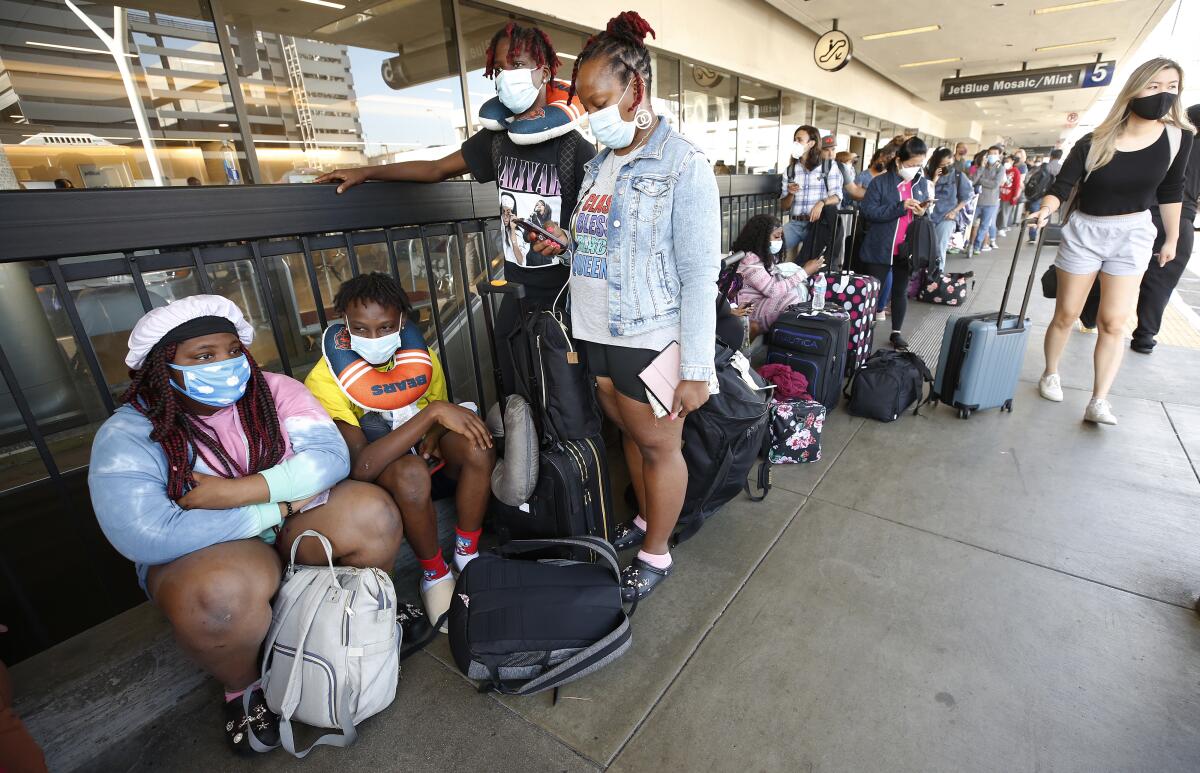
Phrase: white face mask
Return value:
(377, 351)
(799, 149)
(1008, 165)
(776, 246)
(909, 172)
(517, 89)
(610, 128)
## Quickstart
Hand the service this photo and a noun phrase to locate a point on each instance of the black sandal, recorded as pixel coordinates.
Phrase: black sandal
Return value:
(627, 536)
(639, 579)
(259, 718)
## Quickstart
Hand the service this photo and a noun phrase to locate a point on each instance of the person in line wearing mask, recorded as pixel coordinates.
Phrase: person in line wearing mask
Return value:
(767, 289)
(386, 393)
(988, 177)
(962, 159)
(880, 160)
(1159, 281)
(809, 186)
(1117, 173)
(1010, 194)
(952, 189)
(892, 200)
(531, 152)
(645, 252)
(207, 474)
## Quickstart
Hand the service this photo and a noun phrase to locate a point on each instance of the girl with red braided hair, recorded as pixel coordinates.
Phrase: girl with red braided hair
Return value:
(205, 476)
(645, 250)
(529, 147)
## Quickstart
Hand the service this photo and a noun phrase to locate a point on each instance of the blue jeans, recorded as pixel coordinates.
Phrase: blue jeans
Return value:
(945, 229)
(1031, 208)
(795, 231)
(987, 223)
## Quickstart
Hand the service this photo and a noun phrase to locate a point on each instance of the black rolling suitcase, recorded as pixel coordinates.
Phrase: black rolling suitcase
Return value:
(816, 344)
(572, 496)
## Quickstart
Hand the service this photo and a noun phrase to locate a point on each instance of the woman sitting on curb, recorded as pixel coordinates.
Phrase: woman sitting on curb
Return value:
(205, 476)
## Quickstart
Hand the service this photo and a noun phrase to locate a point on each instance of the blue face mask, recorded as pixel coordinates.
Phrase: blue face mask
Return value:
(516, 89)
(609, 127)
(776, 246)
(218, 384)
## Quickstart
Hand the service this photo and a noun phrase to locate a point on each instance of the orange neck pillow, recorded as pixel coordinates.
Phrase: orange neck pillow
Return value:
(375, 390)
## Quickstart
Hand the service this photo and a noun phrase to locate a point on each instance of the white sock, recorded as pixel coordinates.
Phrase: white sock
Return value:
(461, 561)
(654, 559)
(427, 584)
(639, 522)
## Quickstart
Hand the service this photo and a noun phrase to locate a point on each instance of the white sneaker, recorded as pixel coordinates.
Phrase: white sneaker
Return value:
(436, 597)
(986, 248)
(1004, 232)
(1099, 412)
(881, 316)
(1050, 387)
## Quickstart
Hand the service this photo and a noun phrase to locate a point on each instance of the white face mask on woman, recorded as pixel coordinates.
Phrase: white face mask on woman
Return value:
(776, 245)
(909, 172)
(610, 127)
(799, 149)
(517, 90)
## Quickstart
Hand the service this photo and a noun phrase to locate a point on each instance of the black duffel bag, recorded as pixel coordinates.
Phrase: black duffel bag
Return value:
(887, 384)
(721, 443)
(521, 625)
(558, 371)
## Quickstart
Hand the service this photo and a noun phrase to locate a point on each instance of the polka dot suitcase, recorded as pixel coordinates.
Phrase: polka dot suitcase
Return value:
(857, 295)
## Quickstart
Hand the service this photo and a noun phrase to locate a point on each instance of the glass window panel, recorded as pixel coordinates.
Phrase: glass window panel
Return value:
(797, 111)
(709, 119)
(665, 88)
(67, 117)
(326, 88)
(373, 257)
(826, 118)
(238, 281)
(758, 128)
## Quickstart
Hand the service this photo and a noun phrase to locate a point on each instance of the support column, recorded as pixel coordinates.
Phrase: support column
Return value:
(217, 11)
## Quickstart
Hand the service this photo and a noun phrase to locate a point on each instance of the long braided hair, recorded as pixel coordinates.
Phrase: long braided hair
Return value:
(624, 43)
(530, 41)
(179, 432)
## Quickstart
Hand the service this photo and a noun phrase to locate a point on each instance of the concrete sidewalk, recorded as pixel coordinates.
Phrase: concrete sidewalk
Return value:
(1007, 593)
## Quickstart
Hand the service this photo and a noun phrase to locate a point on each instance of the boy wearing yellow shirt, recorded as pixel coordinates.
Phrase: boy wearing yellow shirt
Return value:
(397, 449)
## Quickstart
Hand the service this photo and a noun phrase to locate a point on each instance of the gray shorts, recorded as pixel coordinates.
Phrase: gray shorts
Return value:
(1118, 245)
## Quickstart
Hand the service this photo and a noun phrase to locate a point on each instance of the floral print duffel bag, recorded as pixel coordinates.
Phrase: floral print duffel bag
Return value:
(796, 431)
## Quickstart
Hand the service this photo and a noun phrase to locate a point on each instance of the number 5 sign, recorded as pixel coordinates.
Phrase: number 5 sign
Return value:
(1098, 74)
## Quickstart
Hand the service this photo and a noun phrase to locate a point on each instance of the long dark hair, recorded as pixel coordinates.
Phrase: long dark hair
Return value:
(756, 237)
(178, 432)
(813, 156)
(912, 147)
(935, 160)
(623, 43)
(530, 41)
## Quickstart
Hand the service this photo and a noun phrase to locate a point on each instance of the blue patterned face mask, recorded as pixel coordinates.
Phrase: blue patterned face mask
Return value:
(218, 384)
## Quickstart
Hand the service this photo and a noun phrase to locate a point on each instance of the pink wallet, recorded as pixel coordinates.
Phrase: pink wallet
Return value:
(661, 376)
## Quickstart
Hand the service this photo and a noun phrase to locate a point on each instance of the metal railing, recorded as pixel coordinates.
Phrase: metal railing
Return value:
(79, 267)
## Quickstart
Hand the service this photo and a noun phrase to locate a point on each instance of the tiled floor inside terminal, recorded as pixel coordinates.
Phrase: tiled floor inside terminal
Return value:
(1008, 593)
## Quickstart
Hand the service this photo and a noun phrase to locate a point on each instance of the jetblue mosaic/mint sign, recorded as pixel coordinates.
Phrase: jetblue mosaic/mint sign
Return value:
(1076, 76)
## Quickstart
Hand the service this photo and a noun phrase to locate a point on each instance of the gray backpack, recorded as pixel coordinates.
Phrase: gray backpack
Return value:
(342, 621)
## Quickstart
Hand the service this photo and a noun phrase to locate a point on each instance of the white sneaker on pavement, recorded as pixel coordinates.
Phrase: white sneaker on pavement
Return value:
(1050, 387)
(1099, 411)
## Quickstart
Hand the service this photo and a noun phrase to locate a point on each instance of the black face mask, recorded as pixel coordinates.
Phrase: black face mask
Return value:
(1153, 107)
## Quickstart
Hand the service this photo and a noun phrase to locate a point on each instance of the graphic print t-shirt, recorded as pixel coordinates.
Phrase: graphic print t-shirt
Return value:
(528, 180)
(590, 262)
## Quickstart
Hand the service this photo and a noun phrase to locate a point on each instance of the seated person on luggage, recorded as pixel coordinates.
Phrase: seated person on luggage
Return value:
(631, 297)
(387, 395)
(205, 476)
(892, 199)
(769, 286)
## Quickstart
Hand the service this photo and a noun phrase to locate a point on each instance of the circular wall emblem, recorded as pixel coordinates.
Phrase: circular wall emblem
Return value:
(705, 77)
(833, 51)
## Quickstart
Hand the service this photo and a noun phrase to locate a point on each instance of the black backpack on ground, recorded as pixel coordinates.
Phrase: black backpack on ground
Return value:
(521, 625)
(721, 442)
(887, 385)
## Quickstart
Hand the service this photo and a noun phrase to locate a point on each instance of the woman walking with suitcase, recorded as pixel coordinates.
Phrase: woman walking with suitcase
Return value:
(1135, 158)
(892, 200)
(645, 251)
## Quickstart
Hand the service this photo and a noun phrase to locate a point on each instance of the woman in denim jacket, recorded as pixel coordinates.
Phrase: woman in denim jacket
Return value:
(645, 250)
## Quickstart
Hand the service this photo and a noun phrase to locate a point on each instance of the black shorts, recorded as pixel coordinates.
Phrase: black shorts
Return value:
(622, 365)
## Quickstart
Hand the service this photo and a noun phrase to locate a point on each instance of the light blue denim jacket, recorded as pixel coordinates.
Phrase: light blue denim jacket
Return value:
(664, 229)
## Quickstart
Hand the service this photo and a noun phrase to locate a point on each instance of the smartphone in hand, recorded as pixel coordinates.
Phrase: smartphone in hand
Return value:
(537, 232)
